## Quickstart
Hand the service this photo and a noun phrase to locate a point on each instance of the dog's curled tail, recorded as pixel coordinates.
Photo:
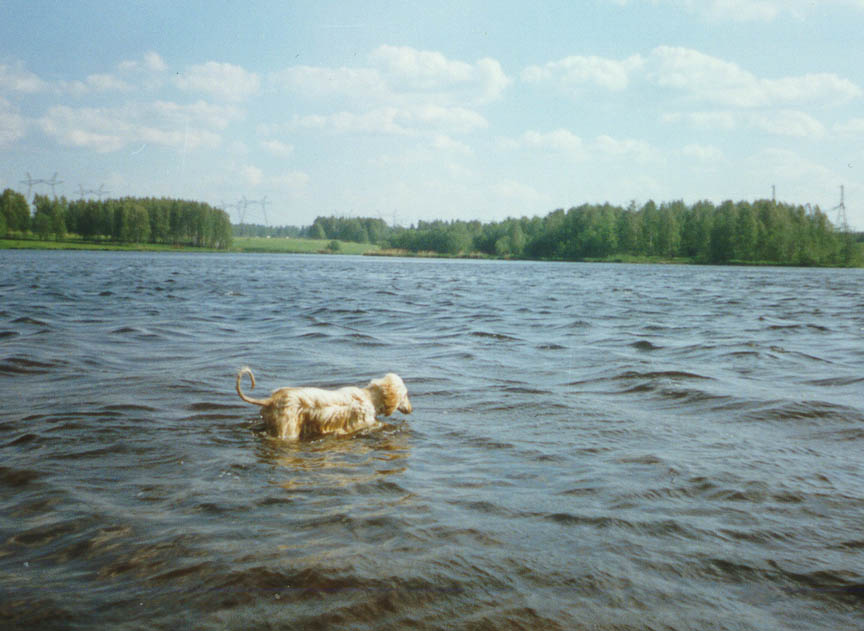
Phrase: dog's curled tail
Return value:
(247, 371)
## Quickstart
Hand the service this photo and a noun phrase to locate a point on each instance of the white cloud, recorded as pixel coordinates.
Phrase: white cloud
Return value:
(561, 140)
(751, 10)
(106, 82)
(147, 73)
(396, 121)
(198, 113)
(518, 193)
(852, 126)
(742, 10)
(12, 125)
(457, 120)
(93, 83)
(822, 87)
(627, 148)
(695, 75)
(292, 181)
(796, 175)
(400, 76)
(17, 79)
(566, 142)
(716, 121)
(789, 123)
(706, 78)
(407, 69)
(318, 83)
(222, 80)
(448, 144)
(779, 122)
(436, 153)
(571, 73)
(278, 148)
(702, 76)
(378, 121)
(161, 123)
(423, 70)
(702, 153)
(153, 62)
(251, 175)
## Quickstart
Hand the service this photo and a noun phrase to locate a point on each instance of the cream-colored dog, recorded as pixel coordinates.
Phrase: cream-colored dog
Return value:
(293, 413)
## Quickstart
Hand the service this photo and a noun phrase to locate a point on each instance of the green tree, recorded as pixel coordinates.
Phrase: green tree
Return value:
(105, 219)
(222, 235)
(120, 230)
(849, 253)
(668, 231)
(746, 233)
(517, 239)
(43, 215)
(458, 239)
(160, 221)
(15, 210)
(317, 231)
(502, 246)
(549, 240)
(42, 226)
(629, 230)
(647, 245)
(58, 218)
(696, 231)
(826, 239)
(138, 223)
(777, 243)
(723, 233)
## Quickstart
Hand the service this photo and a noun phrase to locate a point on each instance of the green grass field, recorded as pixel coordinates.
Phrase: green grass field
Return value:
(241, 244)
(78, 244)
(293, 245)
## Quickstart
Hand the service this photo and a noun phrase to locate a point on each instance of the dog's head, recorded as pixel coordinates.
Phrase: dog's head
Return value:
(394, 395)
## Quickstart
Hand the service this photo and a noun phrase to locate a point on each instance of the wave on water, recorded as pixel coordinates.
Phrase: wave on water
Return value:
(592, 446)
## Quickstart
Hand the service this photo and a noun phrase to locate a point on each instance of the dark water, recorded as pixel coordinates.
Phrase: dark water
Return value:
(593, 447)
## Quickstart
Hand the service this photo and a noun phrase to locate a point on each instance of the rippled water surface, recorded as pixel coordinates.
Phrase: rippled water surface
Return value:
(592, 447)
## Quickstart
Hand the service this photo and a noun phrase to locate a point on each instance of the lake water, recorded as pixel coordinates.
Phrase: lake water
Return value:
(592, 446)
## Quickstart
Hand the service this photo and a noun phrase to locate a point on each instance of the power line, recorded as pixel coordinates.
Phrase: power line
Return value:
(53, 182)
(31, 182)
(98, 192)
(842, 220)
(242, 205)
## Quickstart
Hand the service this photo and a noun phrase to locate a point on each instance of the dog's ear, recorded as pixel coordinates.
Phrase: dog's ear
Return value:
(392, 391)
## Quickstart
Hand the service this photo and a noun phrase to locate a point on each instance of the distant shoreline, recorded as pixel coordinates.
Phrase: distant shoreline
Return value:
(259, 245)
(242, 245)
(33, 244)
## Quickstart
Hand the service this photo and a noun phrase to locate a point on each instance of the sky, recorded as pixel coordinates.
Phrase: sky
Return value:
(413, 111)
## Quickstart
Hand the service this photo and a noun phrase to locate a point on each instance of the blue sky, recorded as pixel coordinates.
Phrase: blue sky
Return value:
(417, 110)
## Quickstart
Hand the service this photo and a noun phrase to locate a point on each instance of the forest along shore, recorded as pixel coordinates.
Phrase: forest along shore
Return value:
(763, 232)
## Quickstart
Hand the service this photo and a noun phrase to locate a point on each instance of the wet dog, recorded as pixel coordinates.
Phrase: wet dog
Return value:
(292, 413)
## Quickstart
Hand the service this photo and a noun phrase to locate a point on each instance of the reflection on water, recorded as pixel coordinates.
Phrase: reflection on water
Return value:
(337, 461)
(592, 446)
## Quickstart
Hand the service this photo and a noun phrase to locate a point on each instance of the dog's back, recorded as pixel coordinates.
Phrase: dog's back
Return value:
(295, 412)
(305, 412)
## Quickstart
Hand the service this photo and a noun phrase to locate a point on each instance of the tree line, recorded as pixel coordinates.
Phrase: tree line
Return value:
(356, 229)
(761, 231)
(125, 220)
